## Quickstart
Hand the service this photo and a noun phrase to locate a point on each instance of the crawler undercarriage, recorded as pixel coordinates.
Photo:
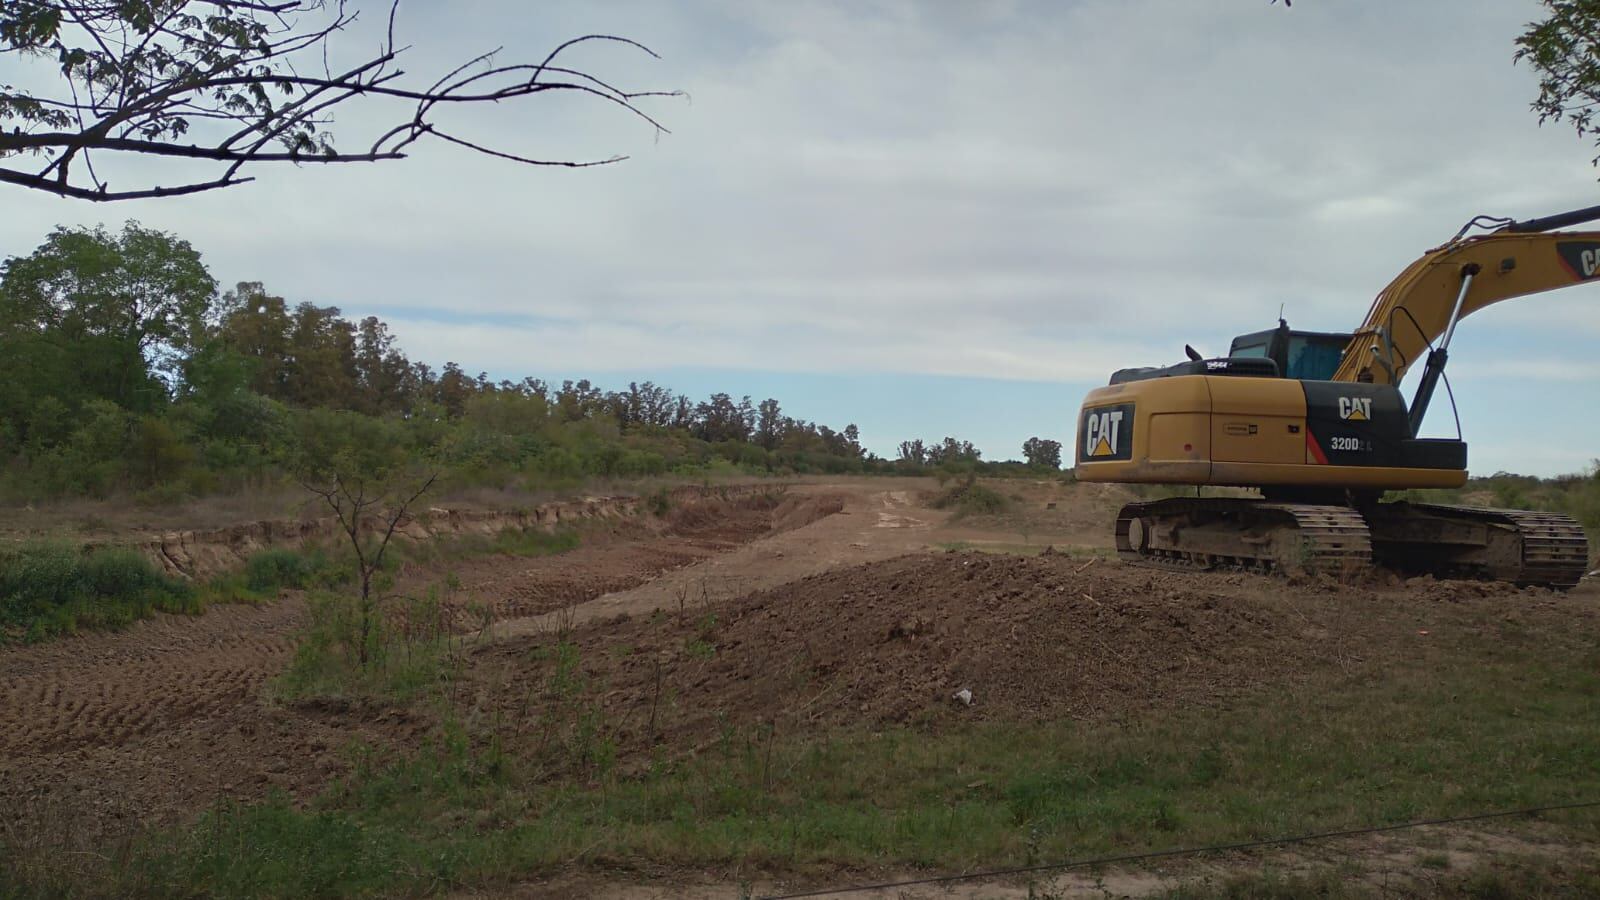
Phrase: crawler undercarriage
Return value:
(1519, 546)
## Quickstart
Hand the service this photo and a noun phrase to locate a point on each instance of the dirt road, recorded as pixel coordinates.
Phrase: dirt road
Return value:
(866, 523)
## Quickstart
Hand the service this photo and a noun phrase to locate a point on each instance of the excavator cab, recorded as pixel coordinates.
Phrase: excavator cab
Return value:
(1278, 353)
(1303, 355)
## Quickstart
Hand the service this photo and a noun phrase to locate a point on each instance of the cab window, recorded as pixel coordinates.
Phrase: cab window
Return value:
(1313, 360)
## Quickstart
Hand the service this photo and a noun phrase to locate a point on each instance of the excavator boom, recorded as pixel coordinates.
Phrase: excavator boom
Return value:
(1419, 306)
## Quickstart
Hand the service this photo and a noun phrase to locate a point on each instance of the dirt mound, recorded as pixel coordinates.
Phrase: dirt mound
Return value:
(895, 642)
(1431, 590)
(1029, 638)
(799, 511)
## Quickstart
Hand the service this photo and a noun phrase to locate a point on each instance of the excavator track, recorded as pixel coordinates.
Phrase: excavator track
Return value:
(1518, 546)
(1234, 533)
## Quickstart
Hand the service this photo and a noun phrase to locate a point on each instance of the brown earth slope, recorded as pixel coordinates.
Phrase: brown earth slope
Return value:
(160, 721)
(1031, 638)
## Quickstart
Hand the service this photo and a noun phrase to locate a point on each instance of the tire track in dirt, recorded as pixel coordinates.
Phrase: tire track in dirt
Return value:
(157, 723)
(107, 689)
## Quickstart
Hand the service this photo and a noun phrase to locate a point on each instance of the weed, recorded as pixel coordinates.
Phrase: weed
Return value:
(701, 643)
(404, 653)
(534, 540)
(272, 570)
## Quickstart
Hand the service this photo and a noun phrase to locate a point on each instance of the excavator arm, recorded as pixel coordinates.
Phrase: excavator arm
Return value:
(1451, 282)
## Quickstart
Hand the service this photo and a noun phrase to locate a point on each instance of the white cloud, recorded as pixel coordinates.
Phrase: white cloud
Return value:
(1028, 190)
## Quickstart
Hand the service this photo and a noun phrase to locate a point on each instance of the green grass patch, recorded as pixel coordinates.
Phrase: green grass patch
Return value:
(532, 541)
(54, 589)
(49, 590)
(273, 570)
(410, 650)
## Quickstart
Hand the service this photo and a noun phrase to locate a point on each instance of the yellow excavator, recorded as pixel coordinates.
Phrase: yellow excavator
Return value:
(1316, 422)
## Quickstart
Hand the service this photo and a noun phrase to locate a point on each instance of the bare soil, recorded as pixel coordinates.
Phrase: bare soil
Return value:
(157, 722)
(835, 605)
(617, 555)
(1035, 638)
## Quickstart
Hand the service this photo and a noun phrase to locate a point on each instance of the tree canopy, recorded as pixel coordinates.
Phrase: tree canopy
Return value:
(224, 85)
(1042, 453)
(129, 371)
(1564, 49)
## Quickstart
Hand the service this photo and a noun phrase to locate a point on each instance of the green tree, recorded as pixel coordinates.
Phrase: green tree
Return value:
(769, 422)
(453, 389)
(1564, 49)
(256, 326)
(322, 361)
(382, 370)
(108, 316)
(368, 474)
(720, 419)
(1042, 453)
(951, 452)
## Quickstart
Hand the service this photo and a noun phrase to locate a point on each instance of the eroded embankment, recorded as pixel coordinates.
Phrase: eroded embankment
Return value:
(203, 553)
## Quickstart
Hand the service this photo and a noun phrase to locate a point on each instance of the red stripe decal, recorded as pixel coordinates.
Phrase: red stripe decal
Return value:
(1314, 449)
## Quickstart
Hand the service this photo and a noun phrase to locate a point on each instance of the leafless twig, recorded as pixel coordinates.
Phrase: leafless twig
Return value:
(225, 82)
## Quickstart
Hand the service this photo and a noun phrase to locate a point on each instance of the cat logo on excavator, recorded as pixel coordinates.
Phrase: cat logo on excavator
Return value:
(1103, 433)
(1581, 257)
(1355, 409)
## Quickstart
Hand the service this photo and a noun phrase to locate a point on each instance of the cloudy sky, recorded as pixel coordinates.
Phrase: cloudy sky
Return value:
(939, 217)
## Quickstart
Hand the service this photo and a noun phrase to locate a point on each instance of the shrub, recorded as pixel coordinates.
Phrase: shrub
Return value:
(536, 541)
(969, 498)
(659, 501)
(50, 589)
(272, 570)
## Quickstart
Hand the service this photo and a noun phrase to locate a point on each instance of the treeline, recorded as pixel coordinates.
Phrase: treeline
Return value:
(126, 370)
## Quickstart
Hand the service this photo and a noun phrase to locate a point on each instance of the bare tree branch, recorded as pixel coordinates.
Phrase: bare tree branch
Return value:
(167, 78)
